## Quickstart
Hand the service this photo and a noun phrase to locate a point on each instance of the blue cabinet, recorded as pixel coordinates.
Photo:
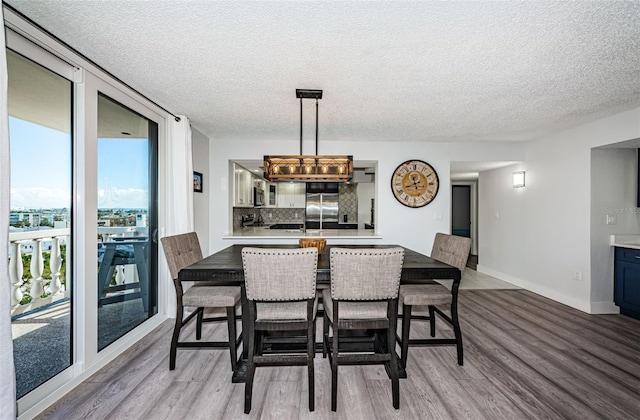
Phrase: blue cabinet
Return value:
(627, 281)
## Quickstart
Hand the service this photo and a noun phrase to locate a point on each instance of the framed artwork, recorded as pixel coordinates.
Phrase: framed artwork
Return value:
(197, 181)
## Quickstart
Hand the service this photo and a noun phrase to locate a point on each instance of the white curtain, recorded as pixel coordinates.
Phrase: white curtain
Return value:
(180, 173)
(7, 370)
(179, 163)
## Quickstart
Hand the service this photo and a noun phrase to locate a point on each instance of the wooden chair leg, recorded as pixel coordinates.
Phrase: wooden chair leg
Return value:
(311, 351)
(432, 320)
(406, 325)
(395, 383)
(251, 369)
(231, 327)
(199, 318)
(334, 360)
(457, 332)
(174, 339)
(325, 334)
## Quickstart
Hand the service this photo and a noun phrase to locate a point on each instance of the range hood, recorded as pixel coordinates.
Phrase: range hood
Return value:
(317, 168)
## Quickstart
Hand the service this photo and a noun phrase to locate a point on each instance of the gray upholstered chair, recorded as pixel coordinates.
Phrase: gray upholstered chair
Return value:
(452, 250)
(363, 296)
(181, 251)
(281, 292)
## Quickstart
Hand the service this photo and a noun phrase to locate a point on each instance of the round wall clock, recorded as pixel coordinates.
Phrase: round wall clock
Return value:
(414, 183)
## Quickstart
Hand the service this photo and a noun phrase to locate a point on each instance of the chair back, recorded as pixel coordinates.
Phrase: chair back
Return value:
(366, 273)
(181, 251)
(451, 249)
(280, 274)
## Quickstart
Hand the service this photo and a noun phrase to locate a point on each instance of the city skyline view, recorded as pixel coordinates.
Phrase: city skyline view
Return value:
(41, 169)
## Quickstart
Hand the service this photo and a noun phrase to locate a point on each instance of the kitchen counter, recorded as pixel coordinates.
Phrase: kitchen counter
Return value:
(625, 241)
(263, 232)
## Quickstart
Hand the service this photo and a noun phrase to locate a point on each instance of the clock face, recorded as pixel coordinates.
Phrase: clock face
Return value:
(414, 183)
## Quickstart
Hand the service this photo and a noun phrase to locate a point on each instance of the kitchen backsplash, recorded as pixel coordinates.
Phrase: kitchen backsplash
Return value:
(270, 215)
(348, 202)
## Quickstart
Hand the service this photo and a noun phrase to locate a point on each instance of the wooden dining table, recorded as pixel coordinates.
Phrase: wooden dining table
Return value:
(225, 268)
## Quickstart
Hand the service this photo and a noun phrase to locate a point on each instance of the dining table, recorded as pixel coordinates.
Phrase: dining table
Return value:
(225, 268)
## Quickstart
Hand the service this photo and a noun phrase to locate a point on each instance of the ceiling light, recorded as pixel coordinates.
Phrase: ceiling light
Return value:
(518, 179)
(308, 167)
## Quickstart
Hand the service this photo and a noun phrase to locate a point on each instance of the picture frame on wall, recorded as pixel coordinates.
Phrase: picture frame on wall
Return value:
(197, 182)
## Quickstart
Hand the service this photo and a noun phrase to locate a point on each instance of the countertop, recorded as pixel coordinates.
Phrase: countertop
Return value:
(263, 232)
(625, 241)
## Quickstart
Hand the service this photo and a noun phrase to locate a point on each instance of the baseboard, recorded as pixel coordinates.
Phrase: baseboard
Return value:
(578, 304)
(603, 308)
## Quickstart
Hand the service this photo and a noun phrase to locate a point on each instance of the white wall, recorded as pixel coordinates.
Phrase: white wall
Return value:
(397, 224)
(200, 152)
(366, 191)
(543, 234)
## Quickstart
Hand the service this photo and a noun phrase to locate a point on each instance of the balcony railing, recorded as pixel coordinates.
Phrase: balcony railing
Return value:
(44, 291)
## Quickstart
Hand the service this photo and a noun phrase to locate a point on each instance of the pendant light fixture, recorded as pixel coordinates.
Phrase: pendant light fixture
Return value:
(323, 168)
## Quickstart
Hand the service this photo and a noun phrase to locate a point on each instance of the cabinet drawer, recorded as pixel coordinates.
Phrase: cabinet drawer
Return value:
(628, 254)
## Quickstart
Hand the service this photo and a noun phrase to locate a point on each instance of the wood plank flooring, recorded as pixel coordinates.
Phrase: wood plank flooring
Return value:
(526, 357)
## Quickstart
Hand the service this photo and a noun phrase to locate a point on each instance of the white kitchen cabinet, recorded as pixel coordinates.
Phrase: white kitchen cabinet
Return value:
(291, 195)
(243, 188)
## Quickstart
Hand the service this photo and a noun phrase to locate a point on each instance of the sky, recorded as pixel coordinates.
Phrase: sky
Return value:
(41, 169)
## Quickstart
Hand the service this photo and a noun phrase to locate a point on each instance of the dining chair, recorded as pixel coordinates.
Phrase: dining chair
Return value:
(452, 250)
(363, 296)
(280, 285)
(184, 250)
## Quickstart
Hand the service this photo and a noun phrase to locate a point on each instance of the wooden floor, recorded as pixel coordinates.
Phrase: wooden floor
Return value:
(526, 357)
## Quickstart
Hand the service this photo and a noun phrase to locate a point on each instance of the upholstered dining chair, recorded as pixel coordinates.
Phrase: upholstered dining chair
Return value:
(363, 296)
(452, 250)
(181, 251)
(280, 286)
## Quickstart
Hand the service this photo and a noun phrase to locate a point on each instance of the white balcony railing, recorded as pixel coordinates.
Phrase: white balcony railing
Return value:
(46, 291)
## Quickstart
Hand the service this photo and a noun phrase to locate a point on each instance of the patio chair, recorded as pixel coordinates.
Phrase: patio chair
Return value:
(363, 296)
(452, 250)
(181, 251)
(281, 292)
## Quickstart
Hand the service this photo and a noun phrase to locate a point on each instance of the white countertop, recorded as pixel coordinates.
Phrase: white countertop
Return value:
(263, 232)
(625, 241)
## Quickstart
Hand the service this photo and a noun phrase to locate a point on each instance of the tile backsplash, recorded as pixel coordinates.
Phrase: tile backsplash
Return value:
(348, 202)
(270, 215)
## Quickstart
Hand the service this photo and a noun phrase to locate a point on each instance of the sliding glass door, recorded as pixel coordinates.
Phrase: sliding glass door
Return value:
(127, 220)
(40, 130)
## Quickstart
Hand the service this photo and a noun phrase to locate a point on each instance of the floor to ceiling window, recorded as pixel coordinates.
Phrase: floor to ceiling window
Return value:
(40, 130)
(127, 283)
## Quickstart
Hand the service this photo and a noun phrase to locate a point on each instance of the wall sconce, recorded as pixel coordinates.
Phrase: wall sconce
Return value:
(518, 179)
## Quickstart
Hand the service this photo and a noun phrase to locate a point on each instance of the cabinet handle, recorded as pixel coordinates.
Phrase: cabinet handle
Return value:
(638, 257)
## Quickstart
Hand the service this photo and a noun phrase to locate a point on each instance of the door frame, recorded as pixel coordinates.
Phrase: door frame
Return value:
(473, 210)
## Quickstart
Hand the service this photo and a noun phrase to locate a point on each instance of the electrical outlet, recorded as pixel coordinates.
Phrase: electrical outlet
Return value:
(611, 219)
(577, 275)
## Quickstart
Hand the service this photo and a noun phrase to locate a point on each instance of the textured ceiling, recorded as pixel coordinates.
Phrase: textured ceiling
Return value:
(416, 71)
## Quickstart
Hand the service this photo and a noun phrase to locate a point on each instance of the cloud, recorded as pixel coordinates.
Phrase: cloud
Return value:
(123, 198)
(40, 198)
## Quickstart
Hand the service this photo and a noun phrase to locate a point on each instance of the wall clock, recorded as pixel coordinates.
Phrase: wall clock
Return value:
(414, 183)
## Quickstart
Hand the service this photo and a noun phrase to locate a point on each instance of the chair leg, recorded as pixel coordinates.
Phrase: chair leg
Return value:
(199, 318)
(325, 334)
(432, 320)
(174, 339)
(457, 332)
(231, 327)
(334, 361)
(251, 369)
(311, 345)
(395, 383)
(406, 325)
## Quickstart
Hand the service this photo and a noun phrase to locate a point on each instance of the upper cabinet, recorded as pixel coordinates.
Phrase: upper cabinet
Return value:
(243, 187)
(291, 195)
